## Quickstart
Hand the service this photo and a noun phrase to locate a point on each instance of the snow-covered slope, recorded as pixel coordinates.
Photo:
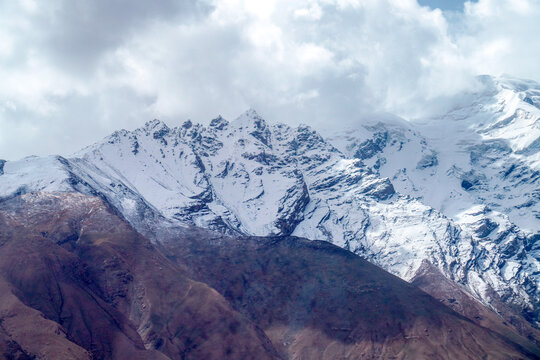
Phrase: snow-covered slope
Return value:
(485, 151)
(395, 192)
(478, 165)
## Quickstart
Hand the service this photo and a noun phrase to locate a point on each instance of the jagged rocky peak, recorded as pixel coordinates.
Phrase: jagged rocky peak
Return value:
(308, 142)
(249, 119)
(308, 135)
(251, 122)
(116, 136)
(157, 128)
(219, 123)
(250, 116)
(187, 124)
(155, 124)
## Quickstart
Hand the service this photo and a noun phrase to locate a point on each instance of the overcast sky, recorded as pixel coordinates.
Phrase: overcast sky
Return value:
(73, 71)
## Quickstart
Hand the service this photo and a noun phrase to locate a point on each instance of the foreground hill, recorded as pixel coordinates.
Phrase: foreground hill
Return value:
(80, 282)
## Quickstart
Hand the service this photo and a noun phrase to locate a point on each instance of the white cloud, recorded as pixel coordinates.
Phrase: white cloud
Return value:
(72, 72)
(311, 12)
(500, 37)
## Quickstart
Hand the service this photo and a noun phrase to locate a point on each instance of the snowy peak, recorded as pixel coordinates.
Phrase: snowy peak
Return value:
(507, 109)
(155, 125)
(527, 90)
(219, 123)
(249, 118)
(36, 173)
(250, 122)
(519, 119)
(224, 176)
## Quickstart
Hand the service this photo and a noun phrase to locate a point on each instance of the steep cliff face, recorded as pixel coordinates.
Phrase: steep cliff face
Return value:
(450, 191)
(99, 289)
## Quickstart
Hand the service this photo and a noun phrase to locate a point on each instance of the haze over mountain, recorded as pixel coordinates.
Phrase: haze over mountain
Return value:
(74, 72)
(449, 204)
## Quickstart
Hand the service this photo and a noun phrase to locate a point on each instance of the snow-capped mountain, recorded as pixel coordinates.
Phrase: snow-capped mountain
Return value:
(460, 191)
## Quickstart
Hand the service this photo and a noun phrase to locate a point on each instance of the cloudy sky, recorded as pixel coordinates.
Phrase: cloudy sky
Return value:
(72, 71)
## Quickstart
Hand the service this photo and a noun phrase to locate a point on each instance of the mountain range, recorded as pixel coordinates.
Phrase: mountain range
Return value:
(129, 229)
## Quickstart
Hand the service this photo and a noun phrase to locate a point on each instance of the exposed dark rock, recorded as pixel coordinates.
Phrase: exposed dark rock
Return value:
(261, 131)
(489, 151)
(428, 160)
(187, 124)
(219, 123)
(158, 130)
(135, 146)
(262, 158)
(112, 294)
(381, 189)
(210, 144)
(370, 147)
(466, 184)
(295, 212)
(484, 227)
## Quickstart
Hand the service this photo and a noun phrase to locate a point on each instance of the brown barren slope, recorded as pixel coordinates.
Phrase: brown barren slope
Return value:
(83, 282)
(111, 292)
(318, 301)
